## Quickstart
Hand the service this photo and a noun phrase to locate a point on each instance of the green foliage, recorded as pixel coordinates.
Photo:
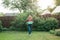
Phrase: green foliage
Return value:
(57, 2)
(0, 26)
(52, 31)
(40, 24)
(57, 32)
(45, 24)
(20, 4)
(20, 22)
(1, 14)
(56, 14)
(52, 23)
(5, 29)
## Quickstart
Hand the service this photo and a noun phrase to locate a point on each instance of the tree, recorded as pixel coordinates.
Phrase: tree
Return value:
(20, 4)
(51, 9)
(57, 2)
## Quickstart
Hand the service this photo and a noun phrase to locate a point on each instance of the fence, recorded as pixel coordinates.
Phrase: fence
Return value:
(6, 20)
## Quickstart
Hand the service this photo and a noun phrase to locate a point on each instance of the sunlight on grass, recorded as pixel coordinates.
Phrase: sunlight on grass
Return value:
(24, 36)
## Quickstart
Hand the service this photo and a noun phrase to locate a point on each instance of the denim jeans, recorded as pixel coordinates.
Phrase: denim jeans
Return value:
(29, 28)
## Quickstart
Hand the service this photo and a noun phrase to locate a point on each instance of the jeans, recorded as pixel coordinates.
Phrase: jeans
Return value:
(29, 28)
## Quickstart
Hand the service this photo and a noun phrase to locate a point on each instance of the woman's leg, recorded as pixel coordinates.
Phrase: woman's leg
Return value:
(29, 28)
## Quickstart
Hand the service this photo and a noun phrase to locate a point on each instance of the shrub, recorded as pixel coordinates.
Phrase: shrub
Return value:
(51, 23)
(52, 31)
(57, 32)
(5, 29)
(40, 24)
(0, 26)
(19, 23)
(45, 24)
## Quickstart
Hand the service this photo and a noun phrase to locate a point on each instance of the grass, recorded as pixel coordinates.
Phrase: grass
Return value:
(13, 35)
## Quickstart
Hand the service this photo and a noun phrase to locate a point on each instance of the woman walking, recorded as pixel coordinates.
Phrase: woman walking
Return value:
(29, 23)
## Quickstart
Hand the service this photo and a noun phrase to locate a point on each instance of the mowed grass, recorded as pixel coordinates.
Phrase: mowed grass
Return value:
(14, 35)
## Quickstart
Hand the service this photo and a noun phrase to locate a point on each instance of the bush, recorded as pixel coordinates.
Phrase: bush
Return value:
(5, 29)
(51, 23)
(45, 24)
(0, 26)
(19, 23)
(57, 32)
(52, 31)
(40, 24)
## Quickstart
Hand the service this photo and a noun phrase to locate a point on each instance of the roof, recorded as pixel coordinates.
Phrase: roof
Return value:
(46, 12)
(56, 10)
(11, 14)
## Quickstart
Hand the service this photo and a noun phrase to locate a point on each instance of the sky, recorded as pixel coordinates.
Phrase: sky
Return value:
(43, 4)
(6, 10)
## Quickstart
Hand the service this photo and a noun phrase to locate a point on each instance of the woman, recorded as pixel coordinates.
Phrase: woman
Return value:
(29, 23)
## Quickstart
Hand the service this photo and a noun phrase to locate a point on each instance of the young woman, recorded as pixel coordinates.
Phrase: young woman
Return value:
(29, 23)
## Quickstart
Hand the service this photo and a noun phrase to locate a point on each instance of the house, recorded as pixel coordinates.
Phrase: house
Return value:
(46, 13)
(56, 10)
(11, 14)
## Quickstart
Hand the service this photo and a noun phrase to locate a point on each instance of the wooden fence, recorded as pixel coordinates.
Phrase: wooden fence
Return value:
(6, 20)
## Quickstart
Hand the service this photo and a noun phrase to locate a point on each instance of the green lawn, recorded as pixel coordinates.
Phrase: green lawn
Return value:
(13, 35)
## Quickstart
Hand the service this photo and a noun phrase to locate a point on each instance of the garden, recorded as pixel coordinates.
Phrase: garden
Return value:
(42, 29)
(46, 23)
